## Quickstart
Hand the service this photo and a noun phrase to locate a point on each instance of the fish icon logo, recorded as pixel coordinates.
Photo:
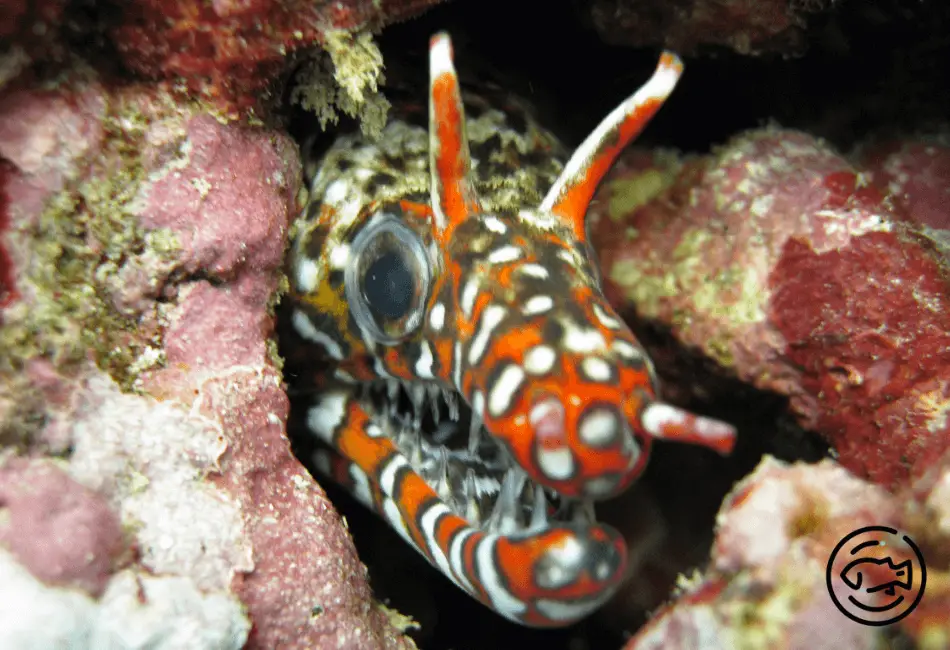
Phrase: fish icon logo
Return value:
(872, 576)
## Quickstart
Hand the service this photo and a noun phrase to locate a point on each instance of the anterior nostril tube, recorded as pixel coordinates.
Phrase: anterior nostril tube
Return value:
(554, 455)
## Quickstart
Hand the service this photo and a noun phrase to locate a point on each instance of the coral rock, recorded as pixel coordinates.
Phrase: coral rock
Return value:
(776, 259)
(230, 51)
(64, 533)
(747, 26)
(233, 184)
(766, 583)
(148, 237)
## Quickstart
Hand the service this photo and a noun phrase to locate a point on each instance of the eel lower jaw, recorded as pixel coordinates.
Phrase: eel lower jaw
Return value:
(446, 444)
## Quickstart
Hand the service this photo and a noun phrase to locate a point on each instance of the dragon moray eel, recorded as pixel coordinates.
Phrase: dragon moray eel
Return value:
(474, 387)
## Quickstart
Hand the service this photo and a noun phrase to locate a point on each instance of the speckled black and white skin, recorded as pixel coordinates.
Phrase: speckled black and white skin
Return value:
(474, 386)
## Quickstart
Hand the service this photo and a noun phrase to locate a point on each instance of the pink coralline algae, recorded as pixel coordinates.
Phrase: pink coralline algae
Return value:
(777, 259)
(146, 240)
(229, 51)
(63, 532)
(767, 579)
(226, 52)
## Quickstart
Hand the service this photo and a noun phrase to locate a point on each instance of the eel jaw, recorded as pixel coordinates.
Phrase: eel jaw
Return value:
(434, 428)
(539, 567)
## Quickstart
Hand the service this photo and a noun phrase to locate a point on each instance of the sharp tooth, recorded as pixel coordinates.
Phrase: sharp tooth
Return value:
(584, 512)
(539, 511)
(392, 390)
(468, 485)
(442, 485)
(474, 435)
(506, 515)
(415, 455)
(451, 398)
(417, 393)
(408, 439)
(470, 494)
(435, 397)
(443, 463)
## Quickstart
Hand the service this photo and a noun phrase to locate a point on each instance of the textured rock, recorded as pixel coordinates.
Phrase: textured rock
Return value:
(766, 582)
(746, 26)
(776, 259)
(62, 532)
(230, 51)
(137, 612)
(214, 165)
(148, 237)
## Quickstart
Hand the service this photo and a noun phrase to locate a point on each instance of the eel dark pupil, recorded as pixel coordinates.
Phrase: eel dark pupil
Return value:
(388, 286)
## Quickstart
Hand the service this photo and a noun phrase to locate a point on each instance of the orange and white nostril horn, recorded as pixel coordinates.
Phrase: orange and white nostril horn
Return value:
(570, 195)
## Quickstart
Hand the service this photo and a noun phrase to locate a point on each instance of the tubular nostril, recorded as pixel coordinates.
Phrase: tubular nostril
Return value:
(554, 456)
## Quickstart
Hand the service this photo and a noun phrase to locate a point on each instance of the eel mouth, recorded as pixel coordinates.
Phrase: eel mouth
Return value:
(448, 446)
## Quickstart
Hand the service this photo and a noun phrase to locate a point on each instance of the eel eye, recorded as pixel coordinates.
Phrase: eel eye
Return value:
(387, 281)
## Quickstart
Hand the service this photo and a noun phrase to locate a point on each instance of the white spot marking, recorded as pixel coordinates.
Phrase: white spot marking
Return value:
(601, 486)
(540, 359)
(495, 224)
(336, 192)
(306, 275)
(469, 294)
(340, 256)
(535, 271)
(657, 415)
(596, 369)
(504, 255)
(424, 364)
(626, 350)
(503, 392)
(491, 317)
(606, 319)
(306, 329)
(327, 414)
(373, 430)
(584, 341)
(598, 427)
(557, 464)
(567, 257)
(503, 601)
(437, 316)
(568, 553)
(536, 305)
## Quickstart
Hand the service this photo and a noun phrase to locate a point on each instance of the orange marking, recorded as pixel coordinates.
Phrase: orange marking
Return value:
(452, 162)
(574, 200)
